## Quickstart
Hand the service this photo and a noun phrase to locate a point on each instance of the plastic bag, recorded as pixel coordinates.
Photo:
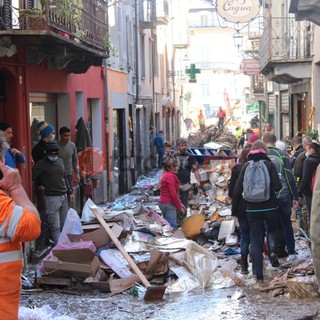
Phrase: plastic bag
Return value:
(72, 225)
(201, 262)
(87, 214)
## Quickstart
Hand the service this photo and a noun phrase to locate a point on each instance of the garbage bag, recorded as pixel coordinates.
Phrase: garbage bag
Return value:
(72, 225)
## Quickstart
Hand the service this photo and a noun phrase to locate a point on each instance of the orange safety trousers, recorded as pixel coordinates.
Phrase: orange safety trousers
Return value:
(10, 287)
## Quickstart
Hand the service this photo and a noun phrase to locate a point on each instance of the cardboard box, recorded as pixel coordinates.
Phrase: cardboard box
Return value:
(78, 263)
(99, 236)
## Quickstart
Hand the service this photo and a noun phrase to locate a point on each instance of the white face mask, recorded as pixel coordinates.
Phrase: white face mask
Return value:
(53, 158)
(307, 154)
(52, 137)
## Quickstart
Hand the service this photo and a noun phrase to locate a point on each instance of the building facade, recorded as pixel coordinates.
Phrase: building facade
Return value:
(50, 69)
(285, 57)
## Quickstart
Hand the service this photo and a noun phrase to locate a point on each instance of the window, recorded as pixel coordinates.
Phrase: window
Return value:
(147, 10)
(204, 20)
(142, 57)
(155, 55)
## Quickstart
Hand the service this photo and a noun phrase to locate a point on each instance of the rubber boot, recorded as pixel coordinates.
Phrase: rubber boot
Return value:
(244, 264)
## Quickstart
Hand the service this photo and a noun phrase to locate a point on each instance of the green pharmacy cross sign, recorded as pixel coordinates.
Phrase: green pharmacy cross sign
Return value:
(192, 71)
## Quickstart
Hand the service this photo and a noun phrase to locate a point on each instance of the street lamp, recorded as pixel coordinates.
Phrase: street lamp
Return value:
(238, 39)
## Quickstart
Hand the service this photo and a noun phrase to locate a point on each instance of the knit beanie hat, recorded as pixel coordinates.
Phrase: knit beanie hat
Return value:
(45, 129)
(51, 147)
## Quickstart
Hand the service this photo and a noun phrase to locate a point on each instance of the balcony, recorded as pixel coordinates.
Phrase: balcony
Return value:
(74, 37)
(285, 50)
(162, 12)
(148, 14)
(306, 10)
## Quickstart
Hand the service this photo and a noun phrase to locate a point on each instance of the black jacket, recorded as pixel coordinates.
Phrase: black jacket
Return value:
(275, 186)
(309, 167)
(241, 210)
(297, 151)
(38, 151)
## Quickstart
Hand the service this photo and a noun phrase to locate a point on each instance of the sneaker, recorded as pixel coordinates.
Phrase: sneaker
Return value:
(292, 257)
(260, 279)
(274, 260)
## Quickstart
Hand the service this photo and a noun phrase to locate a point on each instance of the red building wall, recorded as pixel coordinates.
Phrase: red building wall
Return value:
(21, 79)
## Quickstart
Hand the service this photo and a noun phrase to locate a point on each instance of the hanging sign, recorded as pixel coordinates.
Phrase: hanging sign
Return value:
(238, 11)
(250, 67)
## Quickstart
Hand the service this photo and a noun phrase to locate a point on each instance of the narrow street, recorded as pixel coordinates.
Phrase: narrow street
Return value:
(222, 304)
(239, 297)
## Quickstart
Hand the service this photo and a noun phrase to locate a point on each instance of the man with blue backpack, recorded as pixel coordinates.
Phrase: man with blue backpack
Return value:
(287, 197)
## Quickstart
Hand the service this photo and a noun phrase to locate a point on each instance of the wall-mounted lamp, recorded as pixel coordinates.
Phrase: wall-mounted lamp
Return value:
(238, 39)
(138, 106)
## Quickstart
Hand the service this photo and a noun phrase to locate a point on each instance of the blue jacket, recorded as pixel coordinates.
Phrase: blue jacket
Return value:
(158, 142)
(12, 160)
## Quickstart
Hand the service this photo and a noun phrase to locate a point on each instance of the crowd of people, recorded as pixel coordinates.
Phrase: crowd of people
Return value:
(292, 172)
(263, 224)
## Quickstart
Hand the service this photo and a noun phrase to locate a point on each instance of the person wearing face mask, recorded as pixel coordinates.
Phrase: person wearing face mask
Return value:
(50, 171)
(47, 134)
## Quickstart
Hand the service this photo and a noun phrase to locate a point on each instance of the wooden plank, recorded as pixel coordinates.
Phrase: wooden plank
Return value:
(53, 281)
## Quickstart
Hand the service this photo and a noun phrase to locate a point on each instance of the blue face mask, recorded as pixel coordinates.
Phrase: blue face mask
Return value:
(52, 158)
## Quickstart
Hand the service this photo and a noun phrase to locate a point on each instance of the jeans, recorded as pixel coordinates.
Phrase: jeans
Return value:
(56, 211)
(220, 123)
(160, 157)
(285, 218)
(184, 197)
(258, 222)
(308, 202)
(245, 235)
(169, 212)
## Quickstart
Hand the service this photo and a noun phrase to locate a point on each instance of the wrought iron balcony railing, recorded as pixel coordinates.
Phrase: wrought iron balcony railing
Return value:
(83, 21)
(284, 40)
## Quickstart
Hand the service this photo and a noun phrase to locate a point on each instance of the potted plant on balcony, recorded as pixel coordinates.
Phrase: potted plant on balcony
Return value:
(69, 13)
(35, 17)
(111, 50)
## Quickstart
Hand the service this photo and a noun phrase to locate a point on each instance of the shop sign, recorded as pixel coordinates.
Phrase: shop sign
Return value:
(250, 67)
(238, 11)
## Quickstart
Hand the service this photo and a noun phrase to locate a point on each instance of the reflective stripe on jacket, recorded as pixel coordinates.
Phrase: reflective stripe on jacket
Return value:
(16, 225)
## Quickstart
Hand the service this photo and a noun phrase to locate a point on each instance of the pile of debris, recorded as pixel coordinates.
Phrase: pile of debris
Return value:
(128, 245)
(212, 134)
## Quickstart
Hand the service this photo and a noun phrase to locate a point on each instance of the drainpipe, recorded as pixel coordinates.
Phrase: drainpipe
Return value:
(106, 113)
(136, 100)
(136, 50)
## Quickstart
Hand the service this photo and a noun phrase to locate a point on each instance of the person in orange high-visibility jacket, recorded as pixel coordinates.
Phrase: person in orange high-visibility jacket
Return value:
(19, 222)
